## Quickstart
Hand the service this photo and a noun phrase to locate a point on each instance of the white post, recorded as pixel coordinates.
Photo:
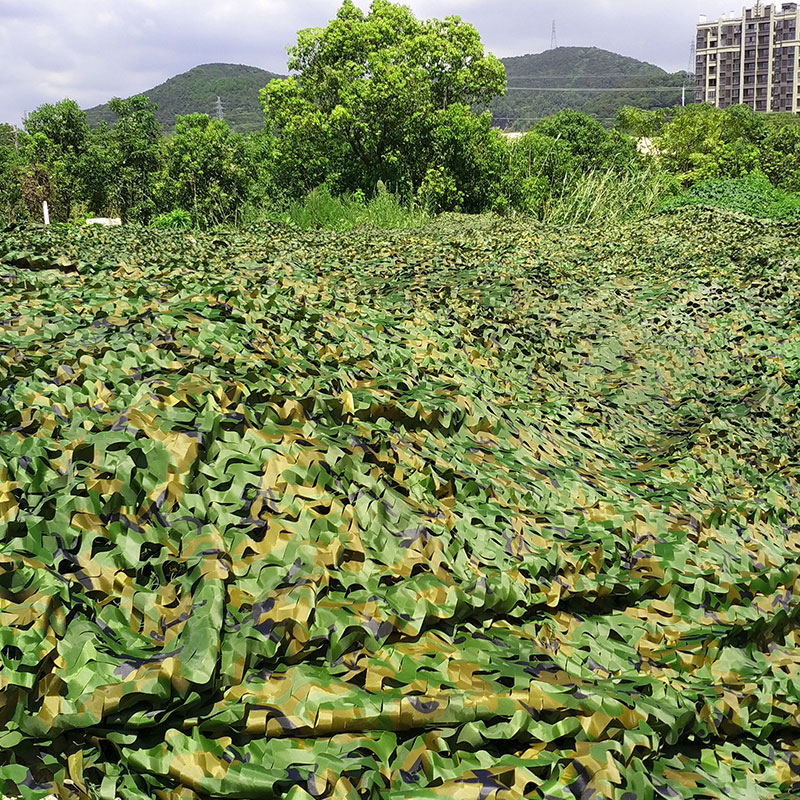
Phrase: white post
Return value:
(46, 213)
(683, 96)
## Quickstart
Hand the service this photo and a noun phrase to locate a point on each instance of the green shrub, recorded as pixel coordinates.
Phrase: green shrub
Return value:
(177, 219)
(321, 209)
(753, 195)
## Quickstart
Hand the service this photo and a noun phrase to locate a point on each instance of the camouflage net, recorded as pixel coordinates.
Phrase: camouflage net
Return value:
(480, 512)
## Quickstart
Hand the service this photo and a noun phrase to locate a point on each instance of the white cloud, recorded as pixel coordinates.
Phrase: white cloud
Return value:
(90, 52)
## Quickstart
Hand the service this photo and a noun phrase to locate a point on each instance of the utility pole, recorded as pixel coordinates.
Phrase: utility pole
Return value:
(218, 109)
(553, 37)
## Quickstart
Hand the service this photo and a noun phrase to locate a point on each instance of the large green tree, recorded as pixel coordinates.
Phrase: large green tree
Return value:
(206, 170)
(369, 96)
(705, 142)
(135, 157)
(53, 153)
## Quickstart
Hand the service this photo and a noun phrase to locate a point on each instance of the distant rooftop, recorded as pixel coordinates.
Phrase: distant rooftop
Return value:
(735, 16)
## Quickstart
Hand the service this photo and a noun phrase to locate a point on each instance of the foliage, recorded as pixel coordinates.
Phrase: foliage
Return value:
(362, 106)
(641, 123)
(602, 198)
(177, 219)
(486, 510)
(780, 156)
(581, 67)
(467, 159)
(753, 195)
(704, 142)
(321, 209)
(205, 170)
(135, 156)
(11, 207)
(196, 92)
(8, 135)
(570, 169)
(53, 154)
(589, 144)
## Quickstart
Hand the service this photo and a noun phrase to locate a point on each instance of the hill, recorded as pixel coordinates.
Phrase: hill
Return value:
(196, 91)
(534, 82)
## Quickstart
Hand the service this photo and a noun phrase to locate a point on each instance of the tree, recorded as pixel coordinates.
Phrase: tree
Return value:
(8, 135)
(639, 122)
(589, 143)
(205, 170)
(363, 104)
(10, 195)
(135, 157)
(466, 160)
(704, 142)
(58, 137)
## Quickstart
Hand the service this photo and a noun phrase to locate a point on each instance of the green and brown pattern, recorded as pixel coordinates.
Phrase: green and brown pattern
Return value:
(480, 512)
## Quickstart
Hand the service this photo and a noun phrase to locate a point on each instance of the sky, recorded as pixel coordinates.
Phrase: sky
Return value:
(91, 51)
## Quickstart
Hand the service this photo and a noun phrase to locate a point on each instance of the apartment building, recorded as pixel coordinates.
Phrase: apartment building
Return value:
(750, 58)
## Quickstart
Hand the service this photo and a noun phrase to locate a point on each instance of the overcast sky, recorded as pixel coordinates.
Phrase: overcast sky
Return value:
(91, 51)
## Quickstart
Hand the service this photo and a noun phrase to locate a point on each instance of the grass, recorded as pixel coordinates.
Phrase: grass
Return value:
(603, 198)
(320, 209)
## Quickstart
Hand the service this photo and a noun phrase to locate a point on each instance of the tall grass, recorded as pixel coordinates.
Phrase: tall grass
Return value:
(605, 198)
(320, 209)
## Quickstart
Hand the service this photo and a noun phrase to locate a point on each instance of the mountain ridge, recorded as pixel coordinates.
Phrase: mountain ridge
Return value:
(539, 84)
(196, 91)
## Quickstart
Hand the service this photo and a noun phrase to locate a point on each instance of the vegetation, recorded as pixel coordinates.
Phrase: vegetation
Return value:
(381, 123)
(196, 92)
(378, 96)
(321, 209)
(753, 195)
(583, 68)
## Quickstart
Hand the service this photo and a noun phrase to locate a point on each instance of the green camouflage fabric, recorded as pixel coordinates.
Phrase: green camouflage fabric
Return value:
(483, 511)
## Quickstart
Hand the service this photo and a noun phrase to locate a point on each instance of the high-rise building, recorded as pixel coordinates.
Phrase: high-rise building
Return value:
(750, 58)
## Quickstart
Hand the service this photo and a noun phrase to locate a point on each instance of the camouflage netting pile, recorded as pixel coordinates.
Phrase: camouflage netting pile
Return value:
(480, 512)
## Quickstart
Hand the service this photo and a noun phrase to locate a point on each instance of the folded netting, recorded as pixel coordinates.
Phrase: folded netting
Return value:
(484, 511)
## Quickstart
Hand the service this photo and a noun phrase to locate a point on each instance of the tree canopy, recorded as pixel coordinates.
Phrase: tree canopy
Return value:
(364, 99)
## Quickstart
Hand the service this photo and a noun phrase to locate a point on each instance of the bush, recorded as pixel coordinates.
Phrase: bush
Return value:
(321, 209)
(177, 219)
(753, 195)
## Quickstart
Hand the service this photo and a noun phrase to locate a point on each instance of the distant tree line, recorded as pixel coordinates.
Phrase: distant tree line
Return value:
(376, 99)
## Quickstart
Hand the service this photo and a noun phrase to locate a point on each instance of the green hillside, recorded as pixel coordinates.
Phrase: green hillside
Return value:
(196, 91)
(588, 68)
(238, 86)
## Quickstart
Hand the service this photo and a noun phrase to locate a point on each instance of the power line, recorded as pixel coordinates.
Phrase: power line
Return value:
(581, 75)
(594, 89)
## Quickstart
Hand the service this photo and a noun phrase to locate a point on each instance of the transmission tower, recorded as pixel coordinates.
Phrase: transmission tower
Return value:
(692, 57)
(553, 37)
(219, 111)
